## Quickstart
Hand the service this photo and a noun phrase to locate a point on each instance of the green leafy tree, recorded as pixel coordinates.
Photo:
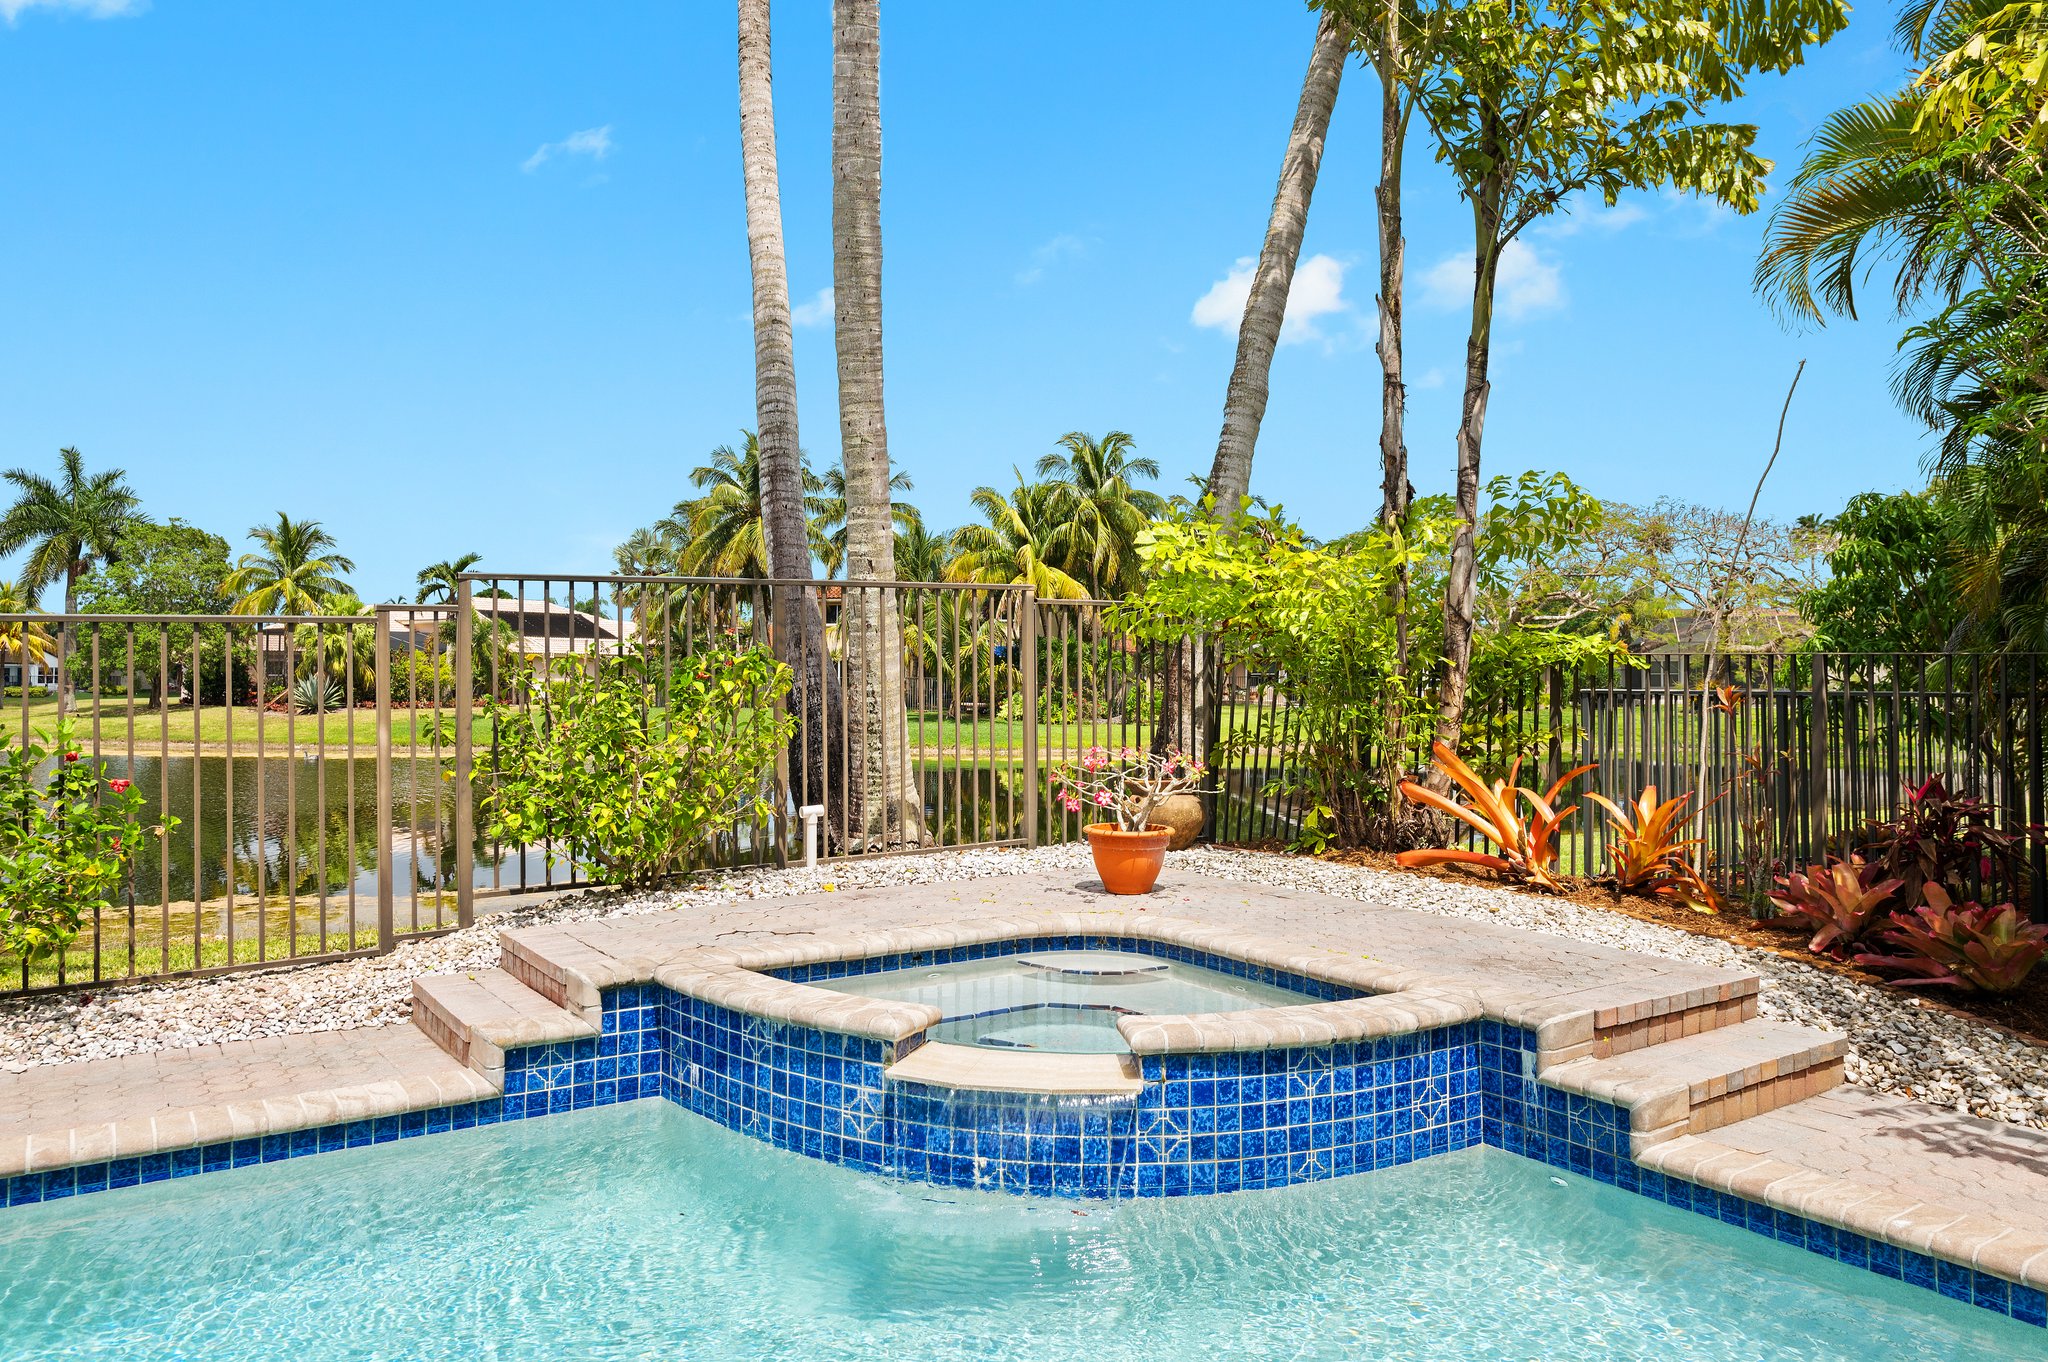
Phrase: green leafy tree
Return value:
(595, 766)
(66, 526)
(1101, 510)
(1534, 105)
(170, 568)
(1888, 588)
(292, 572)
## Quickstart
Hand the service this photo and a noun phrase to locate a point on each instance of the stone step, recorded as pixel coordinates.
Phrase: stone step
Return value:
(1700, 1082)
(478, 1016)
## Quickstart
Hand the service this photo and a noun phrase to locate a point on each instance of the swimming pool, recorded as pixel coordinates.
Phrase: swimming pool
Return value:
(1064, 1002)
(642, 1231)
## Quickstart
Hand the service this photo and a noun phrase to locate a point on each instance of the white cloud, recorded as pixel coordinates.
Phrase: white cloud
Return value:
(10, 10)
(596, 143)
(1048, 254)
(1317, 291)
(1525, 283)
(817, 312)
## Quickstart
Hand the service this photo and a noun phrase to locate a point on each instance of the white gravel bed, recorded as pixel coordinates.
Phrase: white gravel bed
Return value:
(1897, 1044)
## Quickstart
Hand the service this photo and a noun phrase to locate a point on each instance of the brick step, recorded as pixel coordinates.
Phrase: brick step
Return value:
(1709, 1079)
(478, 1016)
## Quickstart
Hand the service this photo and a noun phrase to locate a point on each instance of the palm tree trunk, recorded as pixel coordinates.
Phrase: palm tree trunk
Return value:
(1244, 403)
(800, 624)
(1188, 721)
(889, 805)
(1461, 590)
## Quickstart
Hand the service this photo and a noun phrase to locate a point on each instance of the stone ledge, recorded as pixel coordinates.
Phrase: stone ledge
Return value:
(184, 1128)
(1979, 1240)
(939, 1065)
(1304, 1025)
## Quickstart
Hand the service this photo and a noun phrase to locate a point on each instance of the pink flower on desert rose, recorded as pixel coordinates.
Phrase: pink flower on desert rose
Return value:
(1073, 804)
(1102, 799)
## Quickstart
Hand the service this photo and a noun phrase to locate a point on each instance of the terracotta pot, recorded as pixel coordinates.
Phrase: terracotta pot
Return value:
(1129, 862)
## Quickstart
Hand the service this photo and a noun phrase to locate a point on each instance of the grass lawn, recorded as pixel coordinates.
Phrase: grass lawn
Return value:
(333, 729)
(158, 951)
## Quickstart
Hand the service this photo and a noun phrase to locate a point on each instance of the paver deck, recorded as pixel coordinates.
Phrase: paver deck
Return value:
(1845, 1155)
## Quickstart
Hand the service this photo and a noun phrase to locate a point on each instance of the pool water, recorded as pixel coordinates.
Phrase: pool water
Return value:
(1064, 1001)
(641, 1231)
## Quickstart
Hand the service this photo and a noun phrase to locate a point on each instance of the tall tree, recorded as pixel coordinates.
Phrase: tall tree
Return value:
(1535, 104)
(1265, 307)
(1016, 542)
(828, 514)
(67, 526)
(293, 571)
(724, 531)
(437, 581)
(1101, 509)
(891, 808)
(787, 537)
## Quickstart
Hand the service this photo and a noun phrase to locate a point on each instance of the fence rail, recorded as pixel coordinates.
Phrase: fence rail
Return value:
(320, 767)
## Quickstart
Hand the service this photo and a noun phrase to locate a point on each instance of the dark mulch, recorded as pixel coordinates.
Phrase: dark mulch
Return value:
(2024, 1013)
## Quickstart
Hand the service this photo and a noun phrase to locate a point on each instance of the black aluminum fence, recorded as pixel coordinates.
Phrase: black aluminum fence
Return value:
(1799, 752)
(319, 768)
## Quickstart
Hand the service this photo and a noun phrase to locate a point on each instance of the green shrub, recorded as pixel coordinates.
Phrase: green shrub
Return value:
(598, 769)
(67, 833)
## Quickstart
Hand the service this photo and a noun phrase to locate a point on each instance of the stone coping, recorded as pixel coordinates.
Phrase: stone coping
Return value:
(739, 978)
(186, 1127)
(977, 1069)
(1979, 1240)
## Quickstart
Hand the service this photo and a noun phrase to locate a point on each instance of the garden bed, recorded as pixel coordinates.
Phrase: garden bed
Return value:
(2023, 1014)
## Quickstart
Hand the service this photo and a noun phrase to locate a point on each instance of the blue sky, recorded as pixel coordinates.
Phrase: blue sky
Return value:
(473, 276)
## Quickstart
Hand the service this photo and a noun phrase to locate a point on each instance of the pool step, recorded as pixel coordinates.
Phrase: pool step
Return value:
(936, 1064)
(476, 1017)
(1710, 1079)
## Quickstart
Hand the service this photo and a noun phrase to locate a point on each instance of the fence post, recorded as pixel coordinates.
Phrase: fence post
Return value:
(1817, 761)
(465, 757)
(1029, 597)
(1553, 749)
(386, 933)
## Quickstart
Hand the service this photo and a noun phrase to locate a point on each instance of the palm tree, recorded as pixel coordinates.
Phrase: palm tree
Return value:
(1016, 544)
(437, 580)
(722, 531)
(293, 571)
(828, 515)
(1101, 513)
(23, 641)
(921, 556)
(890, 809)
(1265, 308)
(67, 526)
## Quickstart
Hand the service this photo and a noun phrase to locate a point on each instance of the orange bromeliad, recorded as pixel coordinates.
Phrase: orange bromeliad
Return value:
(1527, 847)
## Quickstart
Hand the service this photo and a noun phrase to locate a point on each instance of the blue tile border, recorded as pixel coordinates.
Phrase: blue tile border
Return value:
(1204, 1123)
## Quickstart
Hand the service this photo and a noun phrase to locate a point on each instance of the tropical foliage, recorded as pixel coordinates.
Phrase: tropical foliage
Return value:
(601, 768)
(293, 570)
(67, 834)
(1524, 848)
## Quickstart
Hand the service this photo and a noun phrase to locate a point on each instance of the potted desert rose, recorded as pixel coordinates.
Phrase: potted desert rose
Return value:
(1128, 786)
